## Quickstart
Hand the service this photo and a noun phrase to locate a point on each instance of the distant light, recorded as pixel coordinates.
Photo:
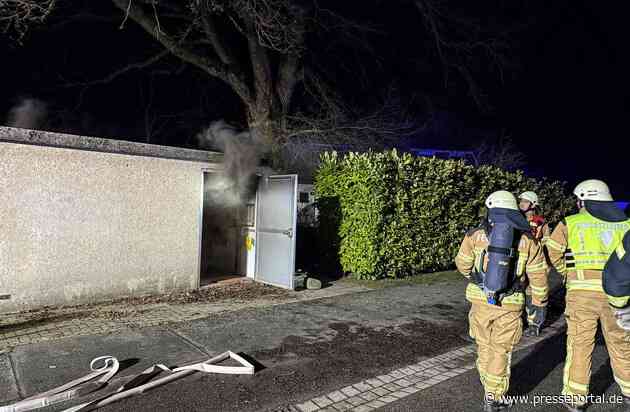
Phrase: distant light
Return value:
(622, 205)
(445, 154)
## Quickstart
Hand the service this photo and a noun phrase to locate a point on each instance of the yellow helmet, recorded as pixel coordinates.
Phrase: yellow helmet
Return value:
(503, 199)
(532, 197)
(593, 189)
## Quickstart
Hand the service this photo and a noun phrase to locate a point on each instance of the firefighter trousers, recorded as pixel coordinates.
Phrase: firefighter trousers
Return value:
(496, 331)
(583, 311)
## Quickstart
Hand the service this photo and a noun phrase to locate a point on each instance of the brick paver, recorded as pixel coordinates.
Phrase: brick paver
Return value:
(376, 392)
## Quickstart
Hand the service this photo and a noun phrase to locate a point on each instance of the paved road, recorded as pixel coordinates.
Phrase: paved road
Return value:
(536, 372)
(303, 351)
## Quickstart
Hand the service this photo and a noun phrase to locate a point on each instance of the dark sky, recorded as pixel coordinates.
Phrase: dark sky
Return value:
(568, 109)
(563, 101)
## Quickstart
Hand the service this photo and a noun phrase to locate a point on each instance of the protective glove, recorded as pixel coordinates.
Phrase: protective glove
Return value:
(623, 317)
(476, 278)
(540, 314)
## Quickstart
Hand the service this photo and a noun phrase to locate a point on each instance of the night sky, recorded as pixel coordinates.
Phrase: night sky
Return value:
(568, 109)
(562, 99)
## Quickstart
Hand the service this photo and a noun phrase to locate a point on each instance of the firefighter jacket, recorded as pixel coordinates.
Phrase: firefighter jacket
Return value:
(530, 266)
(580, 246)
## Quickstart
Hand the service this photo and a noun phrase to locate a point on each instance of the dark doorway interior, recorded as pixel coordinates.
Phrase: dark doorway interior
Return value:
(220, 231)
(228, 219)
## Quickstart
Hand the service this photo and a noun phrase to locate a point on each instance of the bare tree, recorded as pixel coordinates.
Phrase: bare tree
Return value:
(501, 153)
(259, 48)
(460, 41)
(16, 16)
(256, 47)
(340, 129)
(153, 122)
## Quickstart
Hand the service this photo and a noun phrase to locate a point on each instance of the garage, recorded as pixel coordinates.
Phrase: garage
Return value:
(85, 219)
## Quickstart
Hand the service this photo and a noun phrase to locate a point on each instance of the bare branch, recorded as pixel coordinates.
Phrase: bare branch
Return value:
(459, 42)
(337, 128)
(211, 66)
(211, 32)
(288, 77)
(112, 76)
(17, 16)
(428, 13)
(501, 153)
(274, 23)
(122, 25)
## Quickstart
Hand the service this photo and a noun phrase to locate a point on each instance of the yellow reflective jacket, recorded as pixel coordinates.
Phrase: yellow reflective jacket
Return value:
(580, 246)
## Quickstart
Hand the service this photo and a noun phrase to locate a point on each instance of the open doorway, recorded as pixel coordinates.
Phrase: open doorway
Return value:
(228, 230)
(251, 233)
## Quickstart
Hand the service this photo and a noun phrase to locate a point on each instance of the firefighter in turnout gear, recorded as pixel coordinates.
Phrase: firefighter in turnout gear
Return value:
(530, 206)
(616, 282)
(579, 249)
(496, 326)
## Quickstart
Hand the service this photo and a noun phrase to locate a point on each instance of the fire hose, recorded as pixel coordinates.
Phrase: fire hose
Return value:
(70, 389)
(137, 385)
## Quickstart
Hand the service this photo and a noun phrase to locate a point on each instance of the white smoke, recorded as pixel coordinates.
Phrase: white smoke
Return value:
(227, 190)
(28, 114)
(240, 161)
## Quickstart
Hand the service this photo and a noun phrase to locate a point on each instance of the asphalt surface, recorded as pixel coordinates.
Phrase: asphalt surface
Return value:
(301, 350)
(536, 373)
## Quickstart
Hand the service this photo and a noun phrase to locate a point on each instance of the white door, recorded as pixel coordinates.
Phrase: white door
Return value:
(276, 218)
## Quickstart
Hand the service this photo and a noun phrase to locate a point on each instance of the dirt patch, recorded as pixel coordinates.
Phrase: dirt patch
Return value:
(302, 368)
(34, 320)
(233, 291)
(359, 345)
(305, 367)
(134, 307)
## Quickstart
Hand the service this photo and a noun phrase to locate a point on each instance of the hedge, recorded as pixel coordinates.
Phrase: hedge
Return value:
(387, 214)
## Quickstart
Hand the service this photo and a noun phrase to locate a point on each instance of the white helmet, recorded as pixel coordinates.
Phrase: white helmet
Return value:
(531, 197)
(502, 198)
(593, 189)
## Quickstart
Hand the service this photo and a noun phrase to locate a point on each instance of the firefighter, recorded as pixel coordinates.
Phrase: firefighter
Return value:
(616, 282)
(530, 206)
(579, 248)
(496, 329)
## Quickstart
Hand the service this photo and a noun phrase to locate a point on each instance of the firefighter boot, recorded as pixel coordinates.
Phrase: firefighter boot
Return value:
(575, 408)
(494, 406)
(532, 330)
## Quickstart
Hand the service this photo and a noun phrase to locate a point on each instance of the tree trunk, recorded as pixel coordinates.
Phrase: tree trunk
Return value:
(263, 125)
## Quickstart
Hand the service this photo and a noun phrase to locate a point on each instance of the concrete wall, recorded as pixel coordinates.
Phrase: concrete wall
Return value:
(79, 225)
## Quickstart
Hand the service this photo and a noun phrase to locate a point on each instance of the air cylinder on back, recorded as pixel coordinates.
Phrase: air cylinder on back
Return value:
(505, 223)
(500, 255)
